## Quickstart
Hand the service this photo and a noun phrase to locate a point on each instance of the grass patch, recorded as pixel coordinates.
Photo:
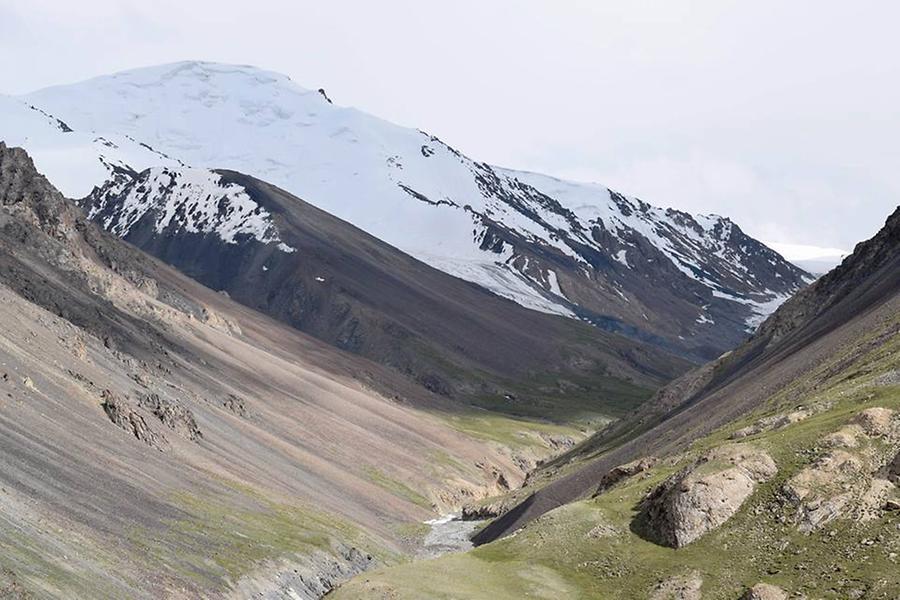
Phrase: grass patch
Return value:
(565, 399)
(397, 488)
(222, 537)
(511, 432)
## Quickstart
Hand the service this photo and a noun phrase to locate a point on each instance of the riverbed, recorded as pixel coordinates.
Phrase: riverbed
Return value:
(448, 534)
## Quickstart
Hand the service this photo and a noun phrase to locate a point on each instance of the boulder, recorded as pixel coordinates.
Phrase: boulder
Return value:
(704, 495)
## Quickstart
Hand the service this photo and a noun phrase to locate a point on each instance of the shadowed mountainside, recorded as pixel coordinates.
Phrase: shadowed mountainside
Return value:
(352, 290)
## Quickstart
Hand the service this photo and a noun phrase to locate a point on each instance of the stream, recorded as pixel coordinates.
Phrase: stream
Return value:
(448, 534)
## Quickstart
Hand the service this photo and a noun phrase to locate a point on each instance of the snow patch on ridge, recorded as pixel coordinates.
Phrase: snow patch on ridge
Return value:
(187, 199)
(74, 161)
(505, 283)
(760, 309)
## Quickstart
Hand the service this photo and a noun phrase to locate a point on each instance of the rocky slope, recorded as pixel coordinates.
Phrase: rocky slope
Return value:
(161, 440)
(775, 476)
(695, 284)
(274, 252)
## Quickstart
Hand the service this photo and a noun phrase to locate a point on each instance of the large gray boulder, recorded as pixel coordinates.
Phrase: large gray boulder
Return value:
(704, 495)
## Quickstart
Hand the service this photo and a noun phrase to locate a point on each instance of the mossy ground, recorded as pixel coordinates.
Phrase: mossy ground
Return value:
(566, 400)
(220, 538)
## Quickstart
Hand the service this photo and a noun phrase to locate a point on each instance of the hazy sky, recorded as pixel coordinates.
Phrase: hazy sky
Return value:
(782, 115)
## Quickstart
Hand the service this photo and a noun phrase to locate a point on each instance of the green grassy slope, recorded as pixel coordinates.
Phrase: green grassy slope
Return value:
(587, 549)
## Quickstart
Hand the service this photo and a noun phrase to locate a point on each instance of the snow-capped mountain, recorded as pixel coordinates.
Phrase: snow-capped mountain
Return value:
(75, 161)
(578, 250)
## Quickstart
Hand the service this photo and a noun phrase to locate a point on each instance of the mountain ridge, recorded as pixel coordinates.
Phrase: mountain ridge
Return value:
(519, 239)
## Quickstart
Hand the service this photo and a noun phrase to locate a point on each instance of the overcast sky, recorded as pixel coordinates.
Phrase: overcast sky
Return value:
(784, 116)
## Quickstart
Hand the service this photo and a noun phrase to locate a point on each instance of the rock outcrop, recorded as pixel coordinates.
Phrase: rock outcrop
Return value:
(126, 417)
(173, 415)
(310, 578)
(487, 510)
(852, 479)
(622, 472)
(11, 588)
(773, 423)
(876, 422)
(704, 495)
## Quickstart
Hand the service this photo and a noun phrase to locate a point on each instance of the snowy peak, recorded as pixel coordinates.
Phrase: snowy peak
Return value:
(573, 249)
(74, 160)
(169, 105)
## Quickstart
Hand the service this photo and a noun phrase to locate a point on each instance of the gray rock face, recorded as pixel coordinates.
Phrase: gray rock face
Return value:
(703, 496)
(309, 578)
(29, 196)
(870, 271)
